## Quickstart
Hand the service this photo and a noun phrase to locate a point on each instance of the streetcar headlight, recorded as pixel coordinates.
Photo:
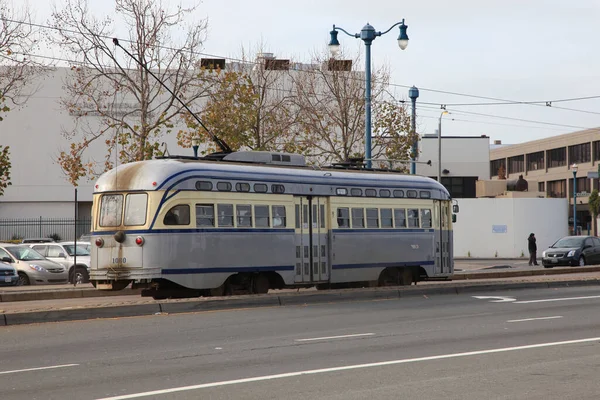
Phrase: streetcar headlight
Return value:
(99, 242)
(139, 241)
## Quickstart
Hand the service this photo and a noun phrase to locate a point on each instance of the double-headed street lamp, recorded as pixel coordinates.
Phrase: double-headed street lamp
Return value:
(367, 34)
(574, 169)
(439, 175)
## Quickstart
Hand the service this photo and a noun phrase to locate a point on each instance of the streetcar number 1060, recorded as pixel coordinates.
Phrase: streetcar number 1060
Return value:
(119, 260)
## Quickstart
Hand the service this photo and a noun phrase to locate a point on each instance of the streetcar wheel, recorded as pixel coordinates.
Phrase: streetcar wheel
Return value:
(407, 276)
(260, 284)
(218, 291)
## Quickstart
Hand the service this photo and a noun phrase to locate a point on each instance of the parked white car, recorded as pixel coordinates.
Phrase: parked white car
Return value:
(64, 254)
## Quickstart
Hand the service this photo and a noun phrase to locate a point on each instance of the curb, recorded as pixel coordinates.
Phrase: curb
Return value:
(273, 300)
(64, 294)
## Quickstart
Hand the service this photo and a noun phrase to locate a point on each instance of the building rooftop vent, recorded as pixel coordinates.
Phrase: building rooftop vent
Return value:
(497, 141)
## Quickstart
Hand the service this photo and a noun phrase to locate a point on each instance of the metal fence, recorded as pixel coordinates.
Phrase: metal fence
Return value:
(57, 228)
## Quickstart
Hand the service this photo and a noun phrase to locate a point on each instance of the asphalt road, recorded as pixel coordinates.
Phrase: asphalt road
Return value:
(525, 344)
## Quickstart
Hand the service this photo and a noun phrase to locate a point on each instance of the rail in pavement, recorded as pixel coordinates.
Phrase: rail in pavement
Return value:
(18, 313)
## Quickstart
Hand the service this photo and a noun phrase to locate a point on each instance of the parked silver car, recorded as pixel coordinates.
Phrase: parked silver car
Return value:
(31, 266)
(64, 254)
(8, 275)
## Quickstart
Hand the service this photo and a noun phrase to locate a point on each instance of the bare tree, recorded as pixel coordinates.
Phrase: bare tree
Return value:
(18, 42)
(133, 110)
(331, 107)
(393, 139)
(250, 106)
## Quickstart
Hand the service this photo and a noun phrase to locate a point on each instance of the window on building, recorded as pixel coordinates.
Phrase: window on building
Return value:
(535, 161)
(583, 186)
(580, 153)
(343, 217)
(178, 215)
(225, 213)
(596, 150)
(205, 215)
(358, 218)
(516, 164)
(557, 188)
(400, 217)
(386, 218)
(496, 166)
(261, 216)
(372, 218)
(460, 186)
(557, 157)
(541, 187)
(244, 216)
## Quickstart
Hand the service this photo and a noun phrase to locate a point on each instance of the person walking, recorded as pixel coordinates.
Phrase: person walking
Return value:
(532, 250)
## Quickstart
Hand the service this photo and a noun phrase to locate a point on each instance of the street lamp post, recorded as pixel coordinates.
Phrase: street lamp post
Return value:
(367, 34)
(574, 169)
(413, 94)
(195, 145)
(439, 175)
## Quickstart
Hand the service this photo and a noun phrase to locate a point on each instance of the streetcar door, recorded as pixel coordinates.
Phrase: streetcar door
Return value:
(312, 247)
(442, 237)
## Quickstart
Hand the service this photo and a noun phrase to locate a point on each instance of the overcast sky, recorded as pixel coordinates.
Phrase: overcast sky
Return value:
(518, 50)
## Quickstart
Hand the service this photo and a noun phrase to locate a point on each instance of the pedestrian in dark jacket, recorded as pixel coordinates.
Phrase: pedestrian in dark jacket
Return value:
(532, 249)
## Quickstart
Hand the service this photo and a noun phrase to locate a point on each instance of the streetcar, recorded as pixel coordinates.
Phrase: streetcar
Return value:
(249, 222)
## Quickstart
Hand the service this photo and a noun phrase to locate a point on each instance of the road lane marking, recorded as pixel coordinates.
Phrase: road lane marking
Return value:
(498, 299)
(334, 337)
(560, 299)
(346, 368)
(533, 319)
(38, 368)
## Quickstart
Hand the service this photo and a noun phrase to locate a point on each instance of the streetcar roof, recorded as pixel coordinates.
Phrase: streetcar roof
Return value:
(164, 174)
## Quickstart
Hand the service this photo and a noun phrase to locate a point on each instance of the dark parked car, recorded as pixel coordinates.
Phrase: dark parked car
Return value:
(8, 275)
(572, 250)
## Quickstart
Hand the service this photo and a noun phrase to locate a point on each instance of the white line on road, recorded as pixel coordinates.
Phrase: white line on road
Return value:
(334, 337)
(561, 299)
(346, 368)
(37, 369)
(533, 319)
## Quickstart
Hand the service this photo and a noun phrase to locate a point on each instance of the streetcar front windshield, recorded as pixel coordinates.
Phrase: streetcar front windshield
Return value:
(111, 210)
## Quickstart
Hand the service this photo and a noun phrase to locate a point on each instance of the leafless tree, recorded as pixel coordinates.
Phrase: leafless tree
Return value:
(133, 111)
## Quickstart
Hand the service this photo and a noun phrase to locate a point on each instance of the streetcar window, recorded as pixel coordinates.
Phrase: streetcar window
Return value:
(111, 210)
(135, 209)
(343, 218)
(398, 193)
(297, 216)
(260, 188)
(322, 215)
(277, 188)
(315, 216)
(356, 192)
(286, 158)
(425, 195)
(413, 218)
(278, 216)
(384, 193)
(372, 218)
(425, 218)
(225, 214)
(204, 185)
(244, 216)
(386, 218)
(261, 216)
(341, 191)
(242, 187)
(411, 194)
(178, 215)
(400, 217)
(224, 186)
(358, 218)
(205, 215)
(370, 192)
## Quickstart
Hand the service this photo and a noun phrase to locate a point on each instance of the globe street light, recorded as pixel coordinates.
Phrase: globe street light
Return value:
(367, 34)
(574, 169)
(439, 175)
